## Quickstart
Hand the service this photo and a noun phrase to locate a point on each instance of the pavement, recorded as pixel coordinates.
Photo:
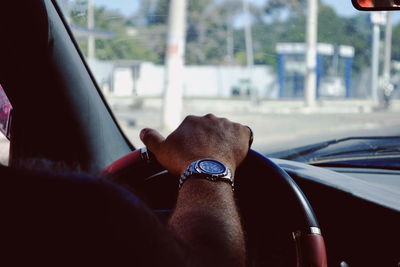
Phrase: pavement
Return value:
(277, 125)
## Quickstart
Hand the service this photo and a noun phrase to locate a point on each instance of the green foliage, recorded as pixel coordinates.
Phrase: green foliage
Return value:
(208, 30)
(210, 27)
(123, 45)
(353, 31)
(158, 13)
(396, 41)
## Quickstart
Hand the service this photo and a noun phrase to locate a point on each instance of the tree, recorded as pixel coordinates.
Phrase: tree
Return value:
(211, 24)
(208, 23)
(273, 29)
(208, 30)
(396, 41)
(123, 45)
(274, 7)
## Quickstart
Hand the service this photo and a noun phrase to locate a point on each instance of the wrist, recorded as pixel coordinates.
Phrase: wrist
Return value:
(203, 186)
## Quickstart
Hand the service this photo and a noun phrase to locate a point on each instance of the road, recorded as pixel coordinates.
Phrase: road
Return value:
(275, 132)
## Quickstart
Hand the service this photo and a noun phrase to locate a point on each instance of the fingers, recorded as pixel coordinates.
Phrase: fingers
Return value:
(151, 138)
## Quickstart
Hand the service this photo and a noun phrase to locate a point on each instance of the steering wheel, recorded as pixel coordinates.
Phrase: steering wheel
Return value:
(268, 199)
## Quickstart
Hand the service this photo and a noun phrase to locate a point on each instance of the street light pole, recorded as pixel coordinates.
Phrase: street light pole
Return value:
(249, 48)
(229, 44)
(311, 53)
(388, 48)
(90, 25)
(375, 62)
(174, 65)
(248, 36)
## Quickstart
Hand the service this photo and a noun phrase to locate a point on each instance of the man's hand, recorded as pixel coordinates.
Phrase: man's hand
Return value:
(197, 138)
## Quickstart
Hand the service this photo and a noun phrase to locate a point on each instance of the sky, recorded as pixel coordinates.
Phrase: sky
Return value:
(127, 7)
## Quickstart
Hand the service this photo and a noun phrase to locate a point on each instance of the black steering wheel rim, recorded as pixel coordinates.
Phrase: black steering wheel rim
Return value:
(256, 165)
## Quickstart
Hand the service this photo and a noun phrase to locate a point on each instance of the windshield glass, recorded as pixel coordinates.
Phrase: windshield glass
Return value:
(297, 72)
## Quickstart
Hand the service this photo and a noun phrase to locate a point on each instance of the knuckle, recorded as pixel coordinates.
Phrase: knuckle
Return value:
(237, 126)
(225, 121)
(189, 118)
(210, 116)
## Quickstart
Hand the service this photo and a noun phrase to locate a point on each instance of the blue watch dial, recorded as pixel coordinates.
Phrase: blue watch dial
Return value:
(212, 167)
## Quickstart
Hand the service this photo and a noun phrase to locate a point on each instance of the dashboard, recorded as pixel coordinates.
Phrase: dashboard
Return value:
(375, 185)
(387, 179)
(358, 211)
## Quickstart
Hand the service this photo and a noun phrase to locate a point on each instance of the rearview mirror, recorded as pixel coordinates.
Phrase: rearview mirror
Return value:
(370, 5)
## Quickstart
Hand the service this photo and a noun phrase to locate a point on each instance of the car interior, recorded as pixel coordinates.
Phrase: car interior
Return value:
(60, 115)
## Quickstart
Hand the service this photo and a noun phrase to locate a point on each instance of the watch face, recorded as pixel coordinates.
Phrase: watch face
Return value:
(212, 167)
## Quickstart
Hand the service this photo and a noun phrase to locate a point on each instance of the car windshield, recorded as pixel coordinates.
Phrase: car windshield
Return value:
(297, 72)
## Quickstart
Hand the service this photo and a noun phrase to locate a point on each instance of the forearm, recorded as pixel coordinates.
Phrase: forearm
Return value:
(206, 219)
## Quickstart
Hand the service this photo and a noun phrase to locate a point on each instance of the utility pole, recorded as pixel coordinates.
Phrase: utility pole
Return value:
(311, 53)
(386, 86)
(90, 25)
(388, 48)
(376, 19)
(174, 65)
(248, 36)
(375, 62)
(249, 47)
(229, 44)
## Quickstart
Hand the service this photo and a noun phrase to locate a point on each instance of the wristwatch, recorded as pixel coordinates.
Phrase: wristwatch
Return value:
(209, 169)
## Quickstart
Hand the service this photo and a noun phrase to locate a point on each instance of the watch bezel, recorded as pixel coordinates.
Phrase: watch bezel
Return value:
(202, 170)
